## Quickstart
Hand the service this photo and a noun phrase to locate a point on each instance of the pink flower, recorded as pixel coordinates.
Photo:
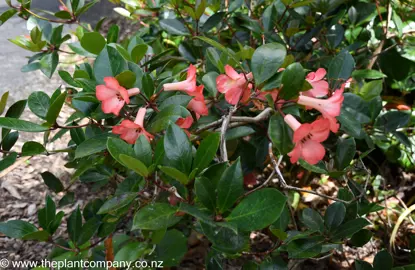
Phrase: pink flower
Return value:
(307, 139)
(113, 95)
(234, 85)
(329, 108)
(188, 85)
(320, 87)
(185, 123)
(197, 104)
(130, 131)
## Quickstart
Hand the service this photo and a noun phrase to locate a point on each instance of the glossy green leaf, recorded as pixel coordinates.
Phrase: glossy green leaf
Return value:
(48, 63)
(21, 125)
(292, 80)
(371, 90)
(52, 182)
(7, 15)
(130, 252)
(230, 186)
(93, 42)
(392, 120)
(3, 101)
(383, 260)
(7, 161)
(205, 190)
(178, 150)
(92, 145)
(39, 103)
(280, 134)
(239, 132)
(340, 68)
(367, 74)
(345, 151)
(143, 151)
(55, 108)
(117, 202)
(32, 148)
(206, 151)
(334, 215)
(17, 228)
(109, 63)
(175, 174)
(174, 27)
(266, 60)
(116, 147)
(138, 53)
(305, 247)
(349, 228)
(134, 164)
(155, 217)
(112, 35)
(74, 225)
(88, 230)
(312, 220)
(171, 248)
(362, 237)
(126, 79)
(181, 100)
(257, 210)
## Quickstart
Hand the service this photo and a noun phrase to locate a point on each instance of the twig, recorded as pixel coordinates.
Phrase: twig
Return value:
(285, 186)
(225, 123)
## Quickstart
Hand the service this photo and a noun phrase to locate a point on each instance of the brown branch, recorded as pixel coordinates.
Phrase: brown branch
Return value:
(225, 124)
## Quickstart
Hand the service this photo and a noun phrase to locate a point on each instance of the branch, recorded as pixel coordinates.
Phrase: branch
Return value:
(285, 186)
(225, 123)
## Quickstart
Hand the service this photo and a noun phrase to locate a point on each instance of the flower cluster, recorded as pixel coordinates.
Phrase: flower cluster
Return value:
(237, 90)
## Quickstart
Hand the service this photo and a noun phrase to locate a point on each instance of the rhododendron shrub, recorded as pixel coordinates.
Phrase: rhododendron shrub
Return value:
(211, 121)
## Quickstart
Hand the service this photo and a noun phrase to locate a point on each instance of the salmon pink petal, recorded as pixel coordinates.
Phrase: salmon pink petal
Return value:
(198, 107)
(130, 136)
(139, 119)
(118, 129)
(320, 89)
(124, 94)
(320, 130)
(334, 125)
(312, 152)
(223, 82)
(246, 94)
(191, 73)
(292, 122)
(233, 95)
(231, 72)
(111, 82)
(103, 92)
(133, 92)
(320, 73)
(112, 105)
(185, 122)
(310, 76)
(302, 132)
(129, 124)
(295, 154)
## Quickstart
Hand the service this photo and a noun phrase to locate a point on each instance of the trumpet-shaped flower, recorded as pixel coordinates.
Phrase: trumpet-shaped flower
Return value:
(113, 96)
(320, 87)
(188, 85)
(234, 85)
(129, 131)
(197, 104)
(307, 139)
(329, 108)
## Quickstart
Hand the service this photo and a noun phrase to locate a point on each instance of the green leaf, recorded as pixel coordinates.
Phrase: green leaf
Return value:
(69, 198)
(143, 151)
(38, 103)
(131, 252)
(17, 228)
(180, 100)
(93, 42)
(77, 135)
(52, 182)
(74, 225)
(266, 60)
(206, 151)
(126, 79)
(138, 53)
(134, 164)
(392, 120)
(117, 202)
(305, 247)
(63, 14)
(112, 35)
(220, 47)
(47, 214)
(205, 190)
(362, 237)
(334, 215)
(349, 228)
(292, 80)
(340, 68)
(209, 81)
(212, 21)
(171, 248)
(109, 63)
(116, 147)
(312, 220)
(368, 74)
(175, 174)
(350, 124)
(48, 63)
(7, 15)
(88, 230)
(92, 145)
(280, 134)
(371, 90)
(55, 108)
(169, 114)
(178, 150)
(345, 151)
(155, 216)
(318, 168)
(21, 125)
(174, 27)
(258, 210)
(238, 132)
(3, 101)
(42, 236)
(383, 261)
(32, 149)
(8, 161)
(230, 186)
(10, 139)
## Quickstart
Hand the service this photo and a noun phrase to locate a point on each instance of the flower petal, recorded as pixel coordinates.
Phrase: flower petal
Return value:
(111, 82)
(231, 72)
(295, 154)
(302, 132)
(112, 105)
(139, 119)
(312, 152)
(320, 130)
(103, 92)
(320, 73)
